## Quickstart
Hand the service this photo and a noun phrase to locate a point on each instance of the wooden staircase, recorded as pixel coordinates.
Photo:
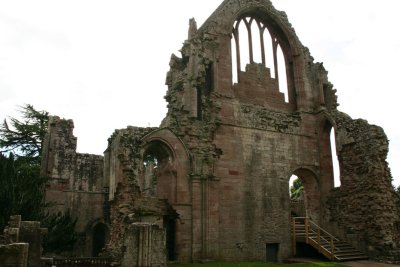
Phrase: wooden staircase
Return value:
(303, 229)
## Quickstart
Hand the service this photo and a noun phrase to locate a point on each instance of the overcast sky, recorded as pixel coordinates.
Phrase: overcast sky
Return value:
(103, 63)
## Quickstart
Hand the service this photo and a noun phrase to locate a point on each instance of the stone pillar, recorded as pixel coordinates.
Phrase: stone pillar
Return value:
(30, 232)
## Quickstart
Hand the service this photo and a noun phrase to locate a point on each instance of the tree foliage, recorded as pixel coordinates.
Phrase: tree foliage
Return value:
(24, 137)
(297, 189)
(58, 225)
(21, 189)
(21, 186)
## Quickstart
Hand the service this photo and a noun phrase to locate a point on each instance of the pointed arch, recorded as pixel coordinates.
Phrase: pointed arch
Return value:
(173, 156)
(251, 36)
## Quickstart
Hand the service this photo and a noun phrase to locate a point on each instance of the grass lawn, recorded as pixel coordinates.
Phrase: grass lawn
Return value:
(256, 264)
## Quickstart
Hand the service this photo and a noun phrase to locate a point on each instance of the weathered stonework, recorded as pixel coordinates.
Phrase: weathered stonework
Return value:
(214, 177)
(23, 243)
(257, 117)
(146, 244)
(365, 204)
(76, 182)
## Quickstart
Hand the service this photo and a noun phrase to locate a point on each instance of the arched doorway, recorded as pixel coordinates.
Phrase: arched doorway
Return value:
(159, 179)
(296, 192)
(311, 192)
(165, 176)
(100, 232)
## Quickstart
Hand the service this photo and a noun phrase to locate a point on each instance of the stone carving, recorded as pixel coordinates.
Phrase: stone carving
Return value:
(262, 118)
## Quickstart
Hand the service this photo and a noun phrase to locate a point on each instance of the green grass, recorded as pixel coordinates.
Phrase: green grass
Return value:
(256, 264)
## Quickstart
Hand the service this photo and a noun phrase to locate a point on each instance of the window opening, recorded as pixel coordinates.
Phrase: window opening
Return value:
(252, 42)
(256, 42)
(234, 59)
(335, 161)
(244, 49)
(209, 79)
(282, 77)
(269, 52)
(149, 186)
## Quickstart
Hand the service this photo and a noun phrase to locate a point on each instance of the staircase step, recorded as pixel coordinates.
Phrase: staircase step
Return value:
(354, 253)
(343, 251)
(361, 257)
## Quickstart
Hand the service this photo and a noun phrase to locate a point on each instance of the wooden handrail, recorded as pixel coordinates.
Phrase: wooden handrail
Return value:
(323, 230)
(322, 235)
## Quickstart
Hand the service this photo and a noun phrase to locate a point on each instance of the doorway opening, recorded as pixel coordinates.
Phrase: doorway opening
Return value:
(296, 192)
(272, 250)
(170, 228)
(99, 238)
(306, 189)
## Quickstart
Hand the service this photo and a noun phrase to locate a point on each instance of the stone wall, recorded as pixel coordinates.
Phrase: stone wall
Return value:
(365, 204)
(76, 181)
(122, 168)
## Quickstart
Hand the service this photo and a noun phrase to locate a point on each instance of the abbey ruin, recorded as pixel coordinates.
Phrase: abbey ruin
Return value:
(212, 182)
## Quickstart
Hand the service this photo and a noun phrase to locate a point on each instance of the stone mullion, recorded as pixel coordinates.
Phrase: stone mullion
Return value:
(236, 36)
(262, 29)
(248, 27)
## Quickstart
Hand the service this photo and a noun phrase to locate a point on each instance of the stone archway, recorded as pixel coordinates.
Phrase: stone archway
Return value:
(165, 176)
(311, 192)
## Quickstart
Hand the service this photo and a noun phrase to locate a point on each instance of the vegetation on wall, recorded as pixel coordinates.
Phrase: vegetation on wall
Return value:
(22, 189)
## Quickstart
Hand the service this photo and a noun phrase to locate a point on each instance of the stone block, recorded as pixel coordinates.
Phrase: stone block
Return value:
(14, 255)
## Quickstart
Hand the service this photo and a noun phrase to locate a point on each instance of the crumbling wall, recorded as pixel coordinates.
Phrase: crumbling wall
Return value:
(123, 164)
(76, 180)
(365, 203)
